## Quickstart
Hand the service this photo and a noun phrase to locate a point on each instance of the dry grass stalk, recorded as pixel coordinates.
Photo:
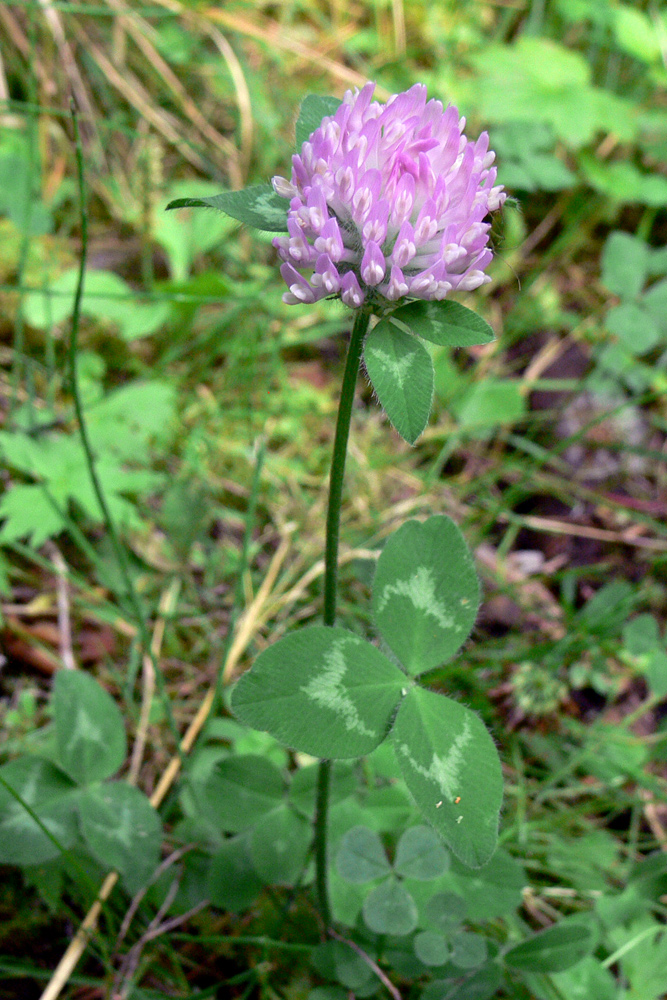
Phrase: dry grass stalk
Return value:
(64, 619)
(165, 608)
(140, 31)
(630, 536)
(75, 80)
(136, 94)
(272, 33)
(196, 20)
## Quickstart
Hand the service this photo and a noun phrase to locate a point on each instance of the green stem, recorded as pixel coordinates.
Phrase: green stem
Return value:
(338, 464)
(119, 551)
(331, 580)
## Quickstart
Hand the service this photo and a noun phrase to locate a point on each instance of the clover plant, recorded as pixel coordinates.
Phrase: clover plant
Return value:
(385, 209)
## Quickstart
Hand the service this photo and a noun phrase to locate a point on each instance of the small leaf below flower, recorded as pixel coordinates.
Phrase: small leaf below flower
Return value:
(446, 323)
(401, 372)
(258, 206)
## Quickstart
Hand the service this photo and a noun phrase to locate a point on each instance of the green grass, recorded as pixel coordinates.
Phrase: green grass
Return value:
(547, 447)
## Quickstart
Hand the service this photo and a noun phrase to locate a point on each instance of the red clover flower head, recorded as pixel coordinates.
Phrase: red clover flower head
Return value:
(388, 202)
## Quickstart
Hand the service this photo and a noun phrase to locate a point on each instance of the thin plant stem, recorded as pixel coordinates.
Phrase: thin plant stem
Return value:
(338, 465)
(19, 356)
(119, 551)
(331, 582)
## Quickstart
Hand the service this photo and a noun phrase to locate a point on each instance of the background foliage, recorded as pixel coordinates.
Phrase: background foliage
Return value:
(210, 409)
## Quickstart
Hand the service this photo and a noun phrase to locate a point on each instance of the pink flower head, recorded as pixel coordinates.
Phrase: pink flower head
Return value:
(388, 202)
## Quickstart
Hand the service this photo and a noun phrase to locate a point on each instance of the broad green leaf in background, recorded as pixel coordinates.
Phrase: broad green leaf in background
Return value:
(526, 159)
(446, 323)
(654, 300)
(489, 403)
(554, 83)
(329, 993)
(353, 972)
(656, 673)
(186, 235)
(481, 985)
(642, 635)
(637, 33)
(337, 960)
(425, 592)
(586, 980)
(587, 862)
(252, 741)
(390, 909)
(468, 950)
(616, 360)
(240, 791)
(192, 873)
(48, 879)
(399, 955)
(646, 884)
(128, 421)
(596, 12)
(347, 899)
(71, 482)
(139, 318)
(122, 423)
(451, 767)
(401, 372)
(446, 910)
(258, 206)
(658, 256)
(59, 461)
(279, 846)
(614, 751)
(233, 883)
(313, 109)
(106, 298)
(604, 613)
(50, 794)
(322, 691)
(644, 961)
(361, 856)
(28, 513)
(90, 733)
(623, 182)
(20, 197)
(389, 807)
(382, 763)
(122, 830)
(420, 854)
(55, 304)
(634, 326)
(554, 949)
(431, 948)
(123, 427)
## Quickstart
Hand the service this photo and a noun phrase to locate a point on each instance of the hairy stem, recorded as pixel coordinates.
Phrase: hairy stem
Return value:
(331, 581)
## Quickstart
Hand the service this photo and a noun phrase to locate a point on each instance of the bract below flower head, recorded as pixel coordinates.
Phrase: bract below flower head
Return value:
(388, 202)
